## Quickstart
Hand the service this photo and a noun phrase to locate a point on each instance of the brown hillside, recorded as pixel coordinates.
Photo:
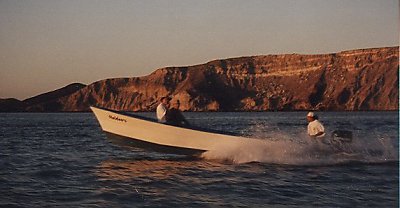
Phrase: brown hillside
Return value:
(365, 79)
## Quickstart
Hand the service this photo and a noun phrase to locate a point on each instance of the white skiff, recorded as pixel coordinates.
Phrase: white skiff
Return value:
(149, 134)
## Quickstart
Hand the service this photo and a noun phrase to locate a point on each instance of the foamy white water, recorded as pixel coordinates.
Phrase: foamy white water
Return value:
(280, 148)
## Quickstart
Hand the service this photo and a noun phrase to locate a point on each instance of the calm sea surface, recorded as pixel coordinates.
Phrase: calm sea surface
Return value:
(65, 160)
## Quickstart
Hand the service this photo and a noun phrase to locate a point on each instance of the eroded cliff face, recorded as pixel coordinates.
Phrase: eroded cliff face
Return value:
(364, 79)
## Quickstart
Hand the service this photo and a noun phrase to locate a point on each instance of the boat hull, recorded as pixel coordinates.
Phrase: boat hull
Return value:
(150, 134)
(136, 143)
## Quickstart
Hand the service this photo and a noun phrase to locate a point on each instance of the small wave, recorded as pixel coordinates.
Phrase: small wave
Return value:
(50, 173)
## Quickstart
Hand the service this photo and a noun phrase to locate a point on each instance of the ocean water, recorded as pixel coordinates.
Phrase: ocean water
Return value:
(65, 160)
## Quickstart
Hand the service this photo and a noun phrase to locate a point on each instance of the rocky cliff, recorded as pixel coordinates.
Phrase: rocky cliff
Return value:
(365, 79)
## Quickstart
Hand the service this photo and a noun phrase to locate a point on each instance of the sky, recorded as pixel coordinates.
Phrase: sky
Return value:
(48, 44)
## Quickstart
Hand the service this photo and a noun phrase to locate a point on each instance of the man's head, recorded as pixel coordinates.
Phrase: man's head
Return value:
(310, 116)
(165, 100)
(176, 104)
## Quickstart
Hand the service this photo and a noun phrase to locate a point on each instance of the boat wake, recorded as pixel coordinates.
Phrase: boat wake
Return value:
(301, 150)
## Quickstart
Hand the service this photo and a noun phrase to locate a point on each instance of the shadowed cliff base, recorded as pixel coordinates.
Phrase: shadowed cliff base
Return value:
(356, 80)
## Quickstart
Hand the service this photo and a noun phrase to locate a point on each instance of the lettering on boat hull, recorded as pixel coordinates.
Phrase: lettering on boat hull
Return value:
(117, 118)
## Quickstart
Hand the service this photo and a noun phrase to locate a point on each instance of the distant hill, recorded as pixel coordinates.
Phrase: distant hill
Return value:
(11, 105)
(50, 101)
(364, 79)
(47, 102)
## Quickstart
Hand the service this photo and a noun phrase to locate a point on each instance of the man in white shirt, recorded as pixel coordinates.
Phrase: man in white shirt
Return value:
(162, 109)
(315, 128)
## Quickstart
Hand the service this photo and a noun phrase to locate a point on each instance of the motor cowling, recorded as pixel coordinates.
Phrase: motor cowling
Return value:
(342, 135)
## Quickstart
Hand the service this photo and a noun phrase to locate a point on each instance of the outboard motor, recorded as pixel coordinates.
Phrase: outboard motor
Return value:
(340, 140)
(342, 135)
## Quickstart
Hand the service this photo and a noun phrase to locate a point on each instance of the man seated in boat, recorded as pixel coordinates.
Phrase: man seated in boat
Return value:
(315, 129)
(162, 109)
(174, 115)
(339, 140)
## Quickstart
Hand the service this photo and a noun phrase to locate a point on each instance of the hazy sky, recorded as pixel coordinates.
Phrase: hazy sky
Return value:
(47, 44)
